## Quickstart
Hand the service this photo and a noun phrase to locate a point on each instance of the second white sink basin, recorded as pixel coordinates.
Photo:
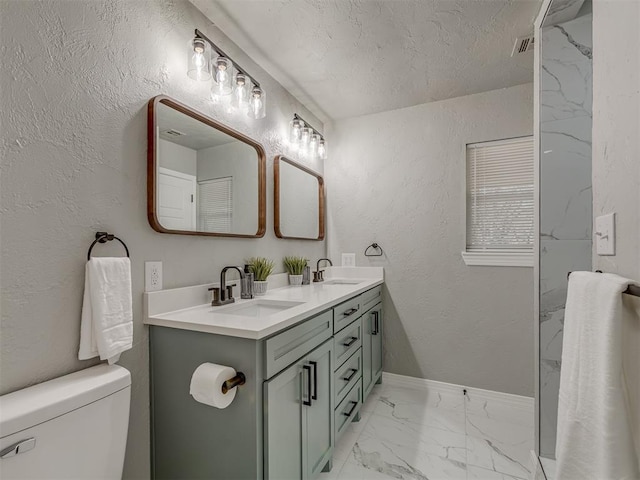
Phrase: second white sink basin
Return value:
(257, 308)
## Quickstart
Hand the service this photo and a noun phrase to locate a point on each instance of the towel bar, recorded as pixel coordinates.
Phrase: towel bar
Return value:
(375, 246)
(631, 289)
(104, 237)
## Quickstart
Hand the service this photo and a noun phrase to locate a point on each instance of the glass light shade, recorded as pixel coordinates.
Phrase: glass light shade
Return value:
(295, 131)
(222, 73)
(198, 60)
(322, 149)
(305, 137)
(257, 103)
(313, 144)
(241, 92)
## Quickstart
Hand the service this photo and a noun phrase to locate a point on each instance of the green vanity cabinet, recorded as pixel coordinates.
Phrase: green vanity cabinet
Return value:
(304, 385)
(371, 349)
(298, 417)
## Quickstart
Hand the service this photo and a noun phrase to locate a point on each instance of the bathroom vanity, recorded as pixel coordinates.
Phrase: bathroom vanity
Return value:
(311, 355)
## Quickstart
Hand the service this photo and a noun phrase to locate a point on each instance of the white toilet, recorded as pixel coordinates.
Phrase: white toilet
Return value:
(72, 427)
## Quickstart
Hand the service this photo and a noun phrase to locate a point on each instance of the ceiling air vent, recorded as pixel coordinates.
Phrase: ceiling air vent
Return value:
(173, 133)
(522, 45)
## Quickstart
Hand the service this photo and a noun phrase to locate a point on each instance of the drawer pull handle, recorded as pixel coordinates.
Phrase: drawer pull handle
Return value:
(349, 312)
(307, 402)
(376, 323)
(350, 412)
(315, 380)
(353, 373)
(350, 342)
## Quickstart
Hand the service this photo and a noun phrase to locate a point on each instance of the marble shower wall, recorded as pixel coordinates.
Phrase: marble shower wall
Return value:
(565, 194)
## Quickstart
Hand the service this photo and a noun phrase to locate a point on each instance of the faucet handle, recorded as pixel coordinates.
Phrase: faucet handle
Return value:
(216, 295)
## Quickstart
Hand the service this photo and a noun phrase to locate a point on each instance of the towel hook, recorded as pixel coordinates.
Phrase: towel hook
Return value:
(375, 246)
(104, 237)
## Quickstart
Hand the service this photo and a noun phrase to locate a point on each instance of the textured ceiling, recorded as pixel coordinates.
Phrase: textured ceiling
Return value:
(344, 58)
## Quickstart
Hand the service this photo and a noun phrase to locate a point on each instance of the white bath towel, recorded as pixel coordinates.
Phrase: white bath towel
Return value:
(594, 439)
(107, 317)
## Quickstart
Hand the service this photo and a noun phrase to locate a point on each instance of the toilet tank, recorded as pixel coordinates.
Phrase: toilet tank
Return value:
(72, 427)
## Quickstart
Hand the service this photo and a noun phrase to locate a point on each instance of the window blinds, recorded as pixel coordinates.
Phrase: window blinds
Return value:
(500, 205)
(215, 205)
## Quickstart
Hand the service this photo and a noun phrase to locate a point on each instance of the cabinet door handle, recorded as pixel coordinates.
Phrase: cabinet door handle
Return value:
(307, 402)
(315, 380)
(350, 412)
(375, 330)
(349, 312)
(353, 372)
(350, 342)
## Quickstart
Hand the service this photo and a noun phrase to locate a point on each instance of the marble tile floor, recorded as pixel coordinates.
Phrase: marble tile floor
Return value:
(415, 434)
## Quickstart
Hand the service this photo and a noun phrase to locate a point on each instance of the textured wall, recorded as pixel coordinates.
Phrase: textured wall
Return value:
(398, 178)
(76, 77)
(616, 158)
(565, 194)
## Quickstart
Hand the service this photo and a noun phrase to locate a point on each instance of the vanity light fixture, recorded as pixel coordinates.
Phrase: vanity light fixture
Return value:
(306, 139)
(207, 62)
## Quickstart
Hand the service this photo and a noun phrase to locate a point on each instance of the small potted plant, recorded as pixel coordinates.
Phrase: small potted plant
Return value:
(295, 267)
(261, 268)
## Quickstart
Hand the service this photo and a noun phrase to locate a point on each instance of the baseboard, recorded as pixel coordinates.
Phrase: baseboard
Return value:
(423, 383)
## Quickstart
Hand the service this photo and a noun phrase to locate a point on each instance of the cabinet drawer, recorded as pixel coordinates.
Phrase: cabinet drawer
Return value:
(287, 347)
(371, 298)
(347, 376)
(347, 341)
(345, 313)
(348, 409)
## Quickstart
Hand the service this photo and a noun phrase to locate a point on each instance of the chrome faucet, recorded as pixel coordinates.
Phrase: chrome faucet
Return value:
(224, 294)
(318, 275)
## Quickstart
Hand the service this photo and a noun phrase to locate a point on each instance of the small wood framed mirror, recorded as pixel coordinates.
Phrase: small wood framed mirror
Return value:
(203, 178)
(299, 201)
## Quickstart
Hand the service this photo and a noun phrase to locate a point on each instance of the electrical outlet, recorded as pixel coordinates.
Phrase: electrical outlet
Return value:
(152, 276)
(348, 259)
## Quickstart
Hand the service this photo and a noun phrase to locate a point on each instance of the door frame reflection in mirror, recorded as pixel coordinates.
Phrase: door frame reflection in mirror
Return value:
(152, 167)
(276, 198)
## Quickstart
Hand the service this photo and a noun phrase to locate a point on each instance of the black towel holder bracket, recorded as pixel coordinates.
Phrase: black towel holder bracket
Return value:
(104, 237)
(379, 252)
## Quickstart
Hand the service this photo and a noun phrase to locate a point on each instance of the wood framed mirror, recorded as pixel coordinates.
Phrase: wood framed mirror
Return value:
(299, 201)
(203, 177)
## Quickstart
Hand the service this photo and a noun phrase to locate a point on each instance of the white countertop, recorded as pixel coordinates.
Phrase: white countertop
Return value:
(184, 308)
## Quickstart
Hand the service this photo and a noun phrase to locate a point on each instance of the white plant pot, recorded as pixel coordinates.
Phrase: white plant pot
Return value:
(260, 287)
(295, 279)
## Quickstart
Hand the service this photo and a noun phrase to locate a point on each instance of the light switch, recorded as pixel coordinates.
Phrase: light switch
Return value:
(606, 234)
(348, 259)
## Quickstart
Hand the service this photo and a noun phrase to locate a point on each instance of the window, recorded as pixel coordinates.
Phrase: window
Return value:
(500, 206)
(215, 205)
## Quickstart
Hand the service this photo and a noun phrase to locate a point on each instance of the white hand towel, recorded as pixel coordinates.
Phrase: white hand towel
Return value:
(107, 317)
(594, 439)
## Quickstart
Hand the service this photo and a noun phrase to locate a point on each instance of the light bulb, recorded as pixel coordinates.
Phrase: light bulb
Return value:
(240, 99)
(222, 84)
(198, 60)
(295, 131)
(313, 145)
(257, 103)
(322, 149)
(305, 137)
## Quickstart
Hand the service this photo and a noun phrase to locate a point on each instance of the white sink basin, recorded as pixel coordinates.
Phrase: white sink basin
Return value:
(256, 308)
(343, 281)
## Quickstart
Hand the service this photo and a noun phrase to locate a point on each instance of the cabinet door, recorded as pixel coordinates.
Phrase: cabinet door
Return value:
(367, 367)
(376, 343)
(318, 448)
(283, 424)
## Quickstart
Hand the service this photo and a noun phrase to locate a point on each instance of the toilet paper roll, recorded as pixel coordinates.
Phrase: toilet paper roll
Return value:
(206, 385)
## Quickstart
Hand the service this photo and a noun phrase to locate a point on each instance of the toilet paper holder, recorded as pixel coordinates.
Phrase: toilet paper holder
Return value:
(239, 379)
